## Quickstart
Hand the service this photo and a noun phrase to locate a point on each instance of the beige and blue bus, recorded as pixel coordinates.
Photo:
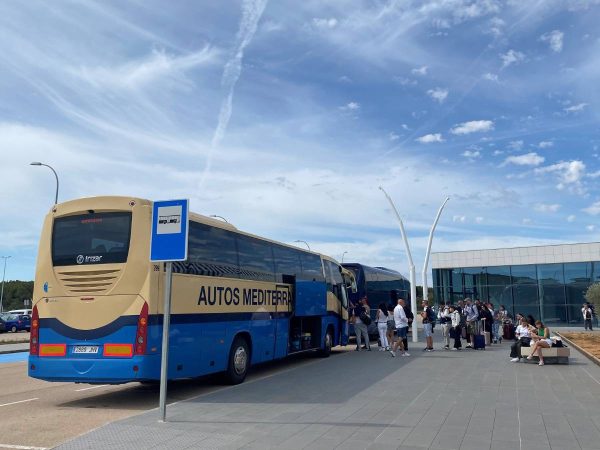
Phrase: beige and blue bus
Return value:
(237, 300)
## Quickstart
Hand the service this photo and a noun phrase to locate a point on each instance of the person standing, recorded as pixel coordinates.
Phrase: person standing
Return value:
(360, 328)
(446, 324)
(401, 328)
(391, 326)
(381, 318)
(587, 316)
(428, 319)
(471, 316)
(456, 328)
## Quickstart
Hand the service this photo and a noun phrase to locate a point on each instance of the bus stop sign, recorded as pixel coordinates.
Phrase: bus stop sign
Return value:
(169, 231)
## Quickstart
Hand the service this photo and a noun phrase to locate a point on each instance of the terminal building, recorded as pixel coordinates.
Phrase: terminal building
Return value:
(548, 282)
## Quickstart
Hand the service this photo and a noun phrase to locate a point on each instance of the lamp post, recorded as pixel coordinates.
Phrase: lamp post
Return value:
(37, 163)
(304, 242)
(3, 276)
(424, 273)
(219, 217)
(411, 267)
(343, 255)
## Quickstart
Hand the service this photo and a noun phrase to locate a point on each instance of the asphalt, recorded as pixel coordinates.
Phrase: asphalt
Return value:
(358, 400)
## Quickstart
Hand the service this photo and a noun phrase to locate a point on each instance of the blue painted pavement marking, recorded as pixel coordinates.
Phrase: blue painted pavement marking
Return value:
(14, 357)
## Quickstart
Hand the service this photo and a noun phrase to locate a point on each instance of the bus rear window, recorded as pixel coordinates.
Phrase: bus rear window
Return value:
(101, 238)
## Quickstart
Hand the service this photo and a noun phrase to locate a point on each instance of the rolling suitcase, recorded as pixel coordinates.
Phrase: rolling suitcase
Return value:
(486, 334)
(479, 340)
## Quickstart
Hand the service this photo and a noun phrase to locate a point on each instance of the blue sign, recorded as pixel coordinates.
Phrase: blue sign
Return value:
(169, 239)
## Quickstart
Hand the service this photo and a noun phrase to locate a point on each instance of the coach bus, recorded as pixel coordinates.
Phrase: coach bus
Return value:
(237, 300)
(378, 285)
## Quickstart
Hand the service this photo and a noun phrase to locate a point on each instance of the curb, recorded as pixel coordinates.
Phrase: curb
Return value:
(585, 353)
(6, 352)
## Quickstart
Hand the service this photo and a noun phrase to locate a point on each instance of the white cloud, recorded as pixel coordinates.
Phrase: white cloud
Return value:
(429, 138)
(546, 208)
(575, 108)
(515, 145)
(405, 127)
(527, 221)
(594, 174)
(403, 81)
(438, 94)
(569, 174)
(479, 219)
(528, 159)
(593, 209)
(460, 219)
(590, 227)
(490, 77)
(554, 39)
(546, 144)
(471, 154)
(393, 136)
(474, 126)
(571, 218)
(498, 152)
(422, 71)
(352, 106)
(511, 57)
(325, 23)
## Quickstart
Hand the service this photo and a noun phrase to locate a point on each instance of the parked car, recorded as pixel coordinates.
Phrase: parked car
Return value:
(2, 326)
(16, 323)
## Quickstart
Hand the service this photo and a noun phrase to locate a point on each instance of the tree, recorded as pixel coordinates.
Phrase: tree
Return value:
(592, 295)
(15, 292)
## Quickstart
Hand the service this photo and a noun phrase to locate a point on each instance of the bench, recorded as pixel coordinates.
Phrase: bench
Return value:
(552, 355)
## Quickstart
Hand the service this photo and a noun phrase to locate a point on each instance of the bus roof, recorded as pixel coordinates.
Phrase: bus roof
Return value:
(114, 202)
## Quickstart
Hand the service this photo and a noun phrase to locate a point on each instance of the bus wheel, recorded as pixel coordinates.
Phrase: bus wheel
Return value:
(239, 361)
(327, 344)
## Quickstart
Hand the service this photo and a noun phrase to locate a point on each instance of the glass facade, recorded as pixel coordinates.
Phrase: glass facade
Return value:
(552, 292)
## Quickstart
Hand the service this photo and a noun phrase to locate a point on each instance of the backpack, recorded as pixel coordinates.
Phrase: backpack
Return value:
(430, 315)
(364, 317)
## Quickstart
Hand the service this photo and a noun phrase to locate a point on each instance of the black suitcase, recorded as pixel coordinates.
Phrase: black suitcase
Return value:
(508, 331)
(479, 337)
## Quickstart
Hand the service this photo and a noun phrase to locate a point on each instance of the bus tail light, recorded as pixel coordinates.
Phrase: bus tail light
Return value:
(141, 336)
(34, 336)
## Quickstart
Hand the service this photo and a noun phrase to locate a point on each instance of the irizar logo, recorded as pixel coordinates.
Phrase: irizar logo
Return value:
(88, 259)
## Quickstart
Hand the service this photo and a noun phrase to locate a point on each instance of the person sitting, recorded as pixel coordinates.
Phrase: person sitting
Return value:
(542, 340)
(523, 335)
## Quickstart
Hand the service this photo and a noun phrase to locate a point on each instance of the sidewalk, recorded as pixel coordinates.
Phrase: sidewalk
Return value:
(14, 348)
(357, 400)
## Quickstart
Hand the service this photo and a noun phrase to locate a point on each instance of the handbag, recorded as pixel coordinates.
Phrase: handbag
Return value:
(365, 318)
(391, 325)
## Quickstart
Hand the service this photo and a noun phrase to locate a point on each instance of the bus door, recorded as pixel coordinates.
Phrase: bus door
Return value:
(282, 316)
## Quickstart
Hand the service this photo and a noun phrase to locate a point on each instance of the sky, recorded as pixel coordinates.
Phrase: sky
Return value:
(285, 117)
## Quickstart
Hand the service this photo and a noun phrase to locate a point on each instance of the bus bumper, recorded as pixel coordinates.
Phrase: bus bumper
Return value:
(100, 370)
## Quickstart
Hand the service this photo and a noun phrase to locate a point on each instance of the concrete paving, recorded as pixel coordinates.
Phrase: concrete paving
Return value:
(369, 400)
(14, 348)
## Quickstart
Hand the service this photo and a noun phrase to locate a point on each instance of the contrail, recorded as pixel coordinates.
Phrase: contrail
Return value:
(252, 11)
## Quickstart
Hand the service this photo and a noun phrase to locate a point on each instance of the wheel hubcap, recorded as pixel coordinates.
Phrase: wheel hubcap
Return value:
(240, 359)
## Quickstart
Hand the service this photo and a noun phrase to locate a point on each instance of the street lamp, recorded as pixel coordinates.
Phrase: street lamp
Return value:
(219, 217)
(305, 243)
(343, 256)
(3, 276)
(36, 163)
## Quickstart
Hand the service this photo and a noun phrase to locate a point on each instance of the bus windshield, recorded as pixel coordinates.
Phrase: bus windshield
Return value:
(99, 238)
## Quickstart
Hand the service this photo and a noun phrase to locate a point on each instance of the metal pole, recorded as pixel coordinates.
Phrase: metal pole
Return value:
(164, 360)
(55, 176)
(411, 269)
(3, 277)
(343, 256)
(424, 273)
(305, 243)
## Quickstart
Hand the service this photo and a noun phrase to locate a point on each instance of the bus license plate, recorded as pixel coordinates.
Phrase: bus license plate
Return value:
(85, 349)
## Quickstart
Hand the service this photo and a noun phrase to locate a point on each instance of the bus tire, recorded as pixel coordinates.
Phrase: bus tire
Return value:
(239, 361)
(327, 344)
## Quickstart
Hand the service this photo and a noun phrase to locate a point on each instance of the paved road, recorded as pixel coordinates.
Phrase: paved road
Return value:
(440, 400)
(39, 414)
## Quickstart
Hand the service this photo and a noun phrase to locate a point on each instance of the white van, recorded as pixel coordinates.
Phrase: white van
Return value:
(21, 312)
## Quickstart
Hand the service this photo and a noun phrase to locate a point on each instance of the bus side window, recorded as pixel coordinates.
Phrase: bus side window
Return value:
(312, 270)
(211, 251)
(256, 259)
(287, 263)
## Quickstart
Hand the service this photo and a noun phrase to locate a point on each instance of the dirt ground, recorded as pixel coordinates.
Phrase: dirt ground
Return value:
(586, 340)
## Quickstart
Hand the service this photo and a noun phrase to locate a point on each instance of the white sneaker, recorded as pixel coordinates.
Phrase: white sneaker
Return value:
(541, 363)
(515, 360)
(393, 353)
(405, 354)
(454, 349)
(381, 349)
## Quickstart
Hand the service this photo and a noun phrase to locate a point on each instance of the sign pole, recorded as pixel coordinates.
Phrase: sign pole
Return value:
(164, 361)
